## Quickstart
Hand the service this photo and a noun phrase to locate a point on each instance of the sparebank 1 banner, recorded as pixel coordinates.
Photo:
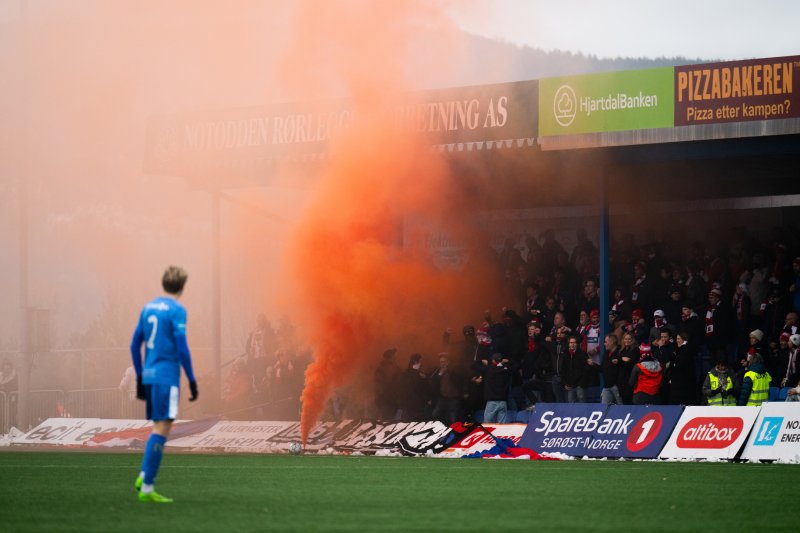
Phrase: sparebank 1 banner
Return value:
(613, 101)
(562, 427)
(737, 91)
(596, 430)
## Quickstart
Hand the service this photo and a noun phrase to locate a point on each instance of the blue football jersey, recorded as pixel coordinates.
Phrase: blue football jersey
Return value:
(161, 322)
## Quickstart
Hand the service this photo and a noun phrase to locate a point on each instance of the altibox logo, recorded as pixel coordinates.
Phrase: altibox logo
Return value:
(710, 432)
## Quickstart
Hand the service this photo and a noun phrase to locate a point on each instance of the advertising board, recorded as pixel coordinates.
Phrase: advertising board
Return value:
(737, 91)
(710, 433)
(611, 101)
(776, 433)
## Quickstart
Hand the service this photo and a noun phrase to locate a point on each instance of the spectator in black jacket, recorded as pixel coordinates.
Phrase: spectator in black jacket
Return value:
(537, 367)
(496, 376)
(414, 395)
(557, 338)
(589, 299)
(447, 389)
(464, 352)
(386, 389)
(611, 371)
(696, 287)
(664, 346)
(574, 370)
(680, 373)
(719, 320)
(629, 356)
(693, 326)
(672, 307)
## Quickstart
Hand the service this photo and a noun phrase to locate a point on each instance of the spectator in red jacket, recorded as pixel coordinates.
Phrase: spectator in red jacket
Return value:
(646, 378)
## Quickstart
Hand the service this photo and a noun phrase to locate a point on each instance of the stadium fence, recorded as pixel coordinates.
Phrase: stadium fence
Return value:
(56, 403)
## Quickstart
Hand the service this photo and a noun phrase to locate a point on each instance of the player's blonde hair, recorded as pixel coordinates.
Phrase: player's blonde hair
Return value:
(174, 279)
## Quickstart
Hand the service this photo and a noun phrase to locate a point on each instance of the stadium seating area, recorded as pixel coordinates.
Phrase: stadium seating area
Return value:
(778, 395)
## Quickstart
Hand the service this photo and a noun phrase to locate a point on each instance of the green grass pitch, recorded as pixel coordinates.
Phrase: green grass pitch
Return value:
(67, 491)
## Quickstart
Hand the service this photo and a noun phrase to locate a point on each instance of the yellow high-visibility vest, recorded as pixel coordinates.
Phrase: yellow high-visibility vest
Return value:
(717, 399)
(760, 391)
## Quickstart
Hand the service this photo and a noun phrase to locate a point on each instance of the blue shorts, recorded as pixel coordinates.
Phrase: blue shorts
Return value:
(162, 401)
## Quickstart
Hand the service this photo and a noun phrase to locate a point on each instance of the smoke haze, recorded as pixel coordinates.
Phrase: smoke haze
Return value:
(97, 231)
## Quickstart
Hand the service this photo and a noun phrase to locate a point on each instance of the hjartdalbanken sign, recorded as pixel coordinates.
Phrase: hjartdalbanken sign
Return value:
(611, 101)
(248, 142)
(737, 91)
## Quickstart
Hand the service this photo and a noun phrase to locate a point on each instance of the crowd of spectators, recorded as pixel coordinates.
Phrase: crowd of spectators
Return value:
(265, 381)
(698, 325)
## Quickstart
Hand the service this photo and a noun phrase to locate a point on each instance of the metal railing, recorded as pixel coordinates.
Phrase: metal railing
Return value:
(109, 403)
(8, 413)
(102, 403)
(44, 404)
(55, 403)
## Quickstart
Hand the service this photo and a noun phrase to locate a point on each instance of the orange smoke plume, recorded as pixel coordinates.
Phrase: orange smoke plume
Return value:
(360, 289)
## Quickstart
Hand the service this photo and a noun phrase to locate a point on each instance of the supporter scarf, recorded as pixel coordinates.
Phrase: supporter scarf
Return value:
(584, 332)
(531, 344)
(660, 323)
(792, 362)
(740, 307)
(710, 319)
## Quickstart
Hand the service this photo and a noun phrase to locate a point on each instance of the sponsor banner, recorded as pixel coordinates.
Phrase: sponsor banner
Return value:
(434, 438)
(479, 441)
(710, 433)
(136, 438)
(252, 437)
(76, 431)
(235, 436)
(776, 433)
(244, 144)
(635, 431)
(562, 427)
(347, 436)
(597, 430)
(737, 91)
(613, 101)
(369, 437)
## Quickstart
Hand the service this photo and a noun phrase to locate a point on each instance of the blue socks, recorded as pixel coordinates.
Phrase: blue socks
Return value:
(153, 452)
